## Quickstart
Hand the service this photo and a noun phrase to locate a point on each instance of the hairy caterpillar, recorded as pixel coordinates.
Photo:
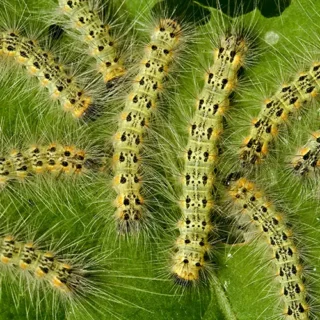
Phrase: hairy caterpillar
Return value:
(306, 161)
(200, 158)
(261, 214)
(61, 276)
(39, 63)
(40, 264)
(83, 18)
(275, 112)
(134, 120)
(56, 159)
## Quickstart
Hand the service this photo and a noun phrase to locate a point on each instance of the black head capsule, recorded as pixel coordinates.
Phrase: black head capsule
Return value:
(55, 31)
(234, 176)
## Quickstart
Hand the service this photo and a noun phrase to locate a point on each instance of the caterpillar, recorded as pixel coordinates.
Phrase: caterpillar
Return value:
(41, 264)
(261, 214)
(37, 159)
(58, 266)
(82, 17)
(306, 161)
(275, 112)
(201, 153)
(53, 277)
(52, 75)
(134, 121)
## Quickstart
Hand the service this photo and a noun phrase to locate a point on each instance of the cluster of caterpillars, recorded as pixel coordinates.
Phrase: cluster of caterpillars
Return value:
(66, 276)
(200, 158)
